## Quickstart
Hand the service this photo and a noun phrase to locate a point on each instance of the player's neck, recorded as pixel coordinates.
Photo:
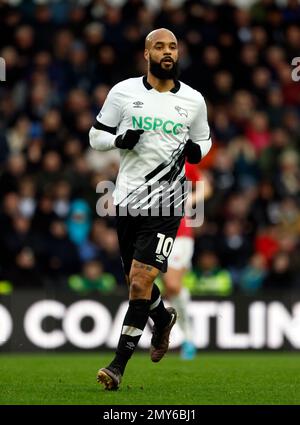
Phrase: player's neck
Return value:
(160, 85)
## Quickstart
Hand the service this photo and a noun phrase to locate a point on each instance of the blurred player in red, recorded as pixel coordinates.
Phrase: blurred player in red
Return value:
(180, 261)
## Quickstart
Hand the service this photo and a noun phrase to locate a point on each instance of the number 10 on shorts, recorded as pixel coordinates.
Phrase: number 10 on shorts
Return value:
(164, 245)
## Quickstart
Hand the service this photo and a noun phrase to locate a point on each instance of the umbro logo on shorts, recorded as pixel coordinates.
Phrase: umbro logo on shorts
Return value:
(160, 258)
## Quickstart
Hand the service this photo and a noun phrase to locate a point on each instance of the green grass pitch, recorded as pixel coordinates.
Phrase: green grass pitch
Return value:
(212, 378)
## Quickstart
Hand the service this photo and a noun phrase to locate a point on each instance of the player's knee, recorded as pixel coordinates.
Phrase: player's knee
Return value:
(140, 285)
(141, 279)
(138, 289)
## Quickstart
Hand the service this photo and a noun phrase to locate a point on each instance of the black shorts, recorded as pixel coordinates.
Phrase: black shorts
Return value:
(146, 239)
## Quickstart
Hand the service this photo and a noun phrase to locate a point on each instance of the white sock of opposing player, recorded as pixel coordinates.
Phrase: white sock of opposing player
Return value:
(180, 303)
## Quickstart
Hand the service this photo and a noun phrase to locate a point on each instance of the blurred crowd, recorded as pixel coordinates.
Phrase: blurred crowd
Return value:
(61, 59)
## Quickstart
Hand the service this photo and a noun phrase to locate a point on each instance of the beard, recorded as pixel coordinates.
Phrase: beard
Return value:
(163, 74)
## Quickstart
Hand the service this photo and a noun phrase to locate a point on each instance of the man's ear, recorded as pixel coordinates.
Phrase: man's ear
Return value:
(146, 54)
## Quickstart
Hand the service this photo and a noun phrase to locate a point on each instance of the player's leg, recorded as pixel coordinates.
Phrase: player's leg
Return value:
(179, 297)
(154, 246)
(111, 376)
(141, 277)
(142, 268)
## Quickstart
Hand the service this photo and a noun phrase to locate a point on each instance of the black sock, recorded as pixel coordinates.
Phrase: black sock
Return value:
(158, 312)
(134, 323)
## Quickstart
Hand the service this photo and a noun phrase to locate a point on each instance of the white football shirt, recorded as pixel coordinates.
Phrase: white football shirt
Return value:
(168, 119)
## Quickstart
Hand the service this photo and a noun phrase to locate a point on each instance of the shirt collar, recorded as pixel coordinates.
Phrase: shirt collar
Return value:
(173, 90)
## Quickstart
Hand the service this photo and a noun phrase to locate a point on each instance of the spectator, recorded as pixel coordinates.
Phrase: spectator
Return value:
(258, 131)
(264, 208)
(234, 249)
(61, 255)
(246, 171)
(208, 278)
(24, 273)
(223, 129)
(287, 182)
(280, 276)
(44, 214)
(92, 279)
(19, 236)
(27, 192)
(15, 170)
(269, 156)
(275, 106)
(266, 242)
(79, 221)
(61, 193)
(253, 275)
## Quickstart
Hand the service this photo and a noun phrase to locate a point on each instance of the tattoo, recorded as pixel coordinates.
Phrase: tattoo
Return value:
(149, 268)
(143, 266)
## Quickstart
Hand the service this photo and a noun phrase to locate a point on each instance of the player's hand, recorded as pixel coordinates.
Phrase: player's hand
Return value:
(129, 139)
(192, 152)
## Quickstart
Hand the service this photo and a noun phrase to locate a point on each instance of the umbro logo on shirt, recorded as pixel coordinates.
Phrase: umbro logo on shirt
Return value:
(138, 104)
(182, 112)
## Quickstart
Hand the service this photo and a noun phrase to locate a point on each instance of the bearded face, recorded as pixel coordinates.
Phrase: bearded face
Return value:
(164, 69)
